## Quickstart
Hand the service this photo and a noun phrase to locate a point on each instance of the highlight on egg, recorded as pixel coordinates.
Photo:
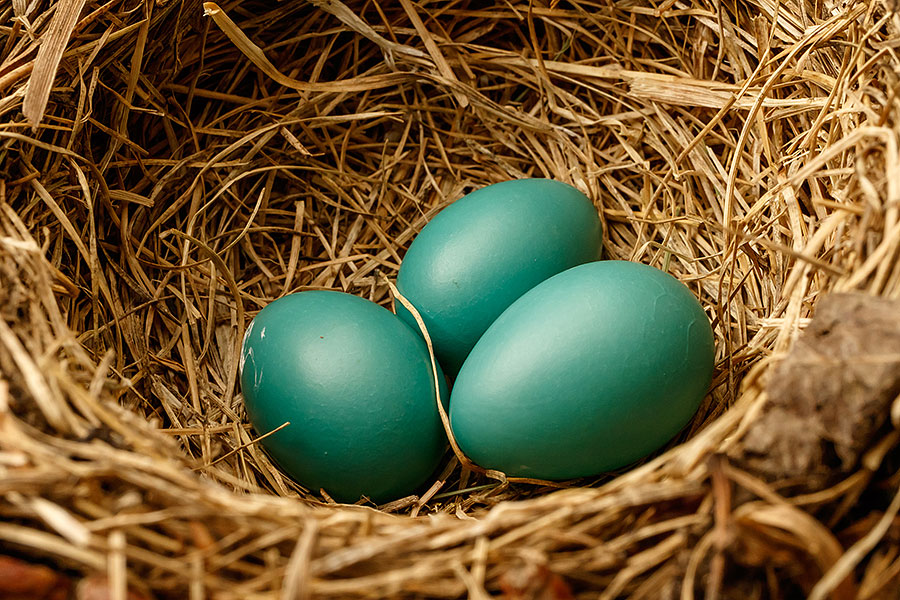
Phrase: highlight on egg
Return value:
(481, 253)
(587, 372)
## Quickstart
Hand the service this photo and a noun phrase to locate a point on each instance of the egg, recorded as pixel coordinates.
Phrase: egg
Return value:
(589, 371)
(478, 255)
(355, 384)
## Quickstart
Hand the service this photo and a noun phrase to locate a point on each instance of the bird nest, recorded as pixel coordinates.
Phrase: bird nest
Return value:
(169, 168)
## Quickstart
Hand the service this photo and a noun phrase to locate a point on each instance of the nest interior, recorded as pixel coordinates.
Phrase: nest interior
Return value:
(168, 168)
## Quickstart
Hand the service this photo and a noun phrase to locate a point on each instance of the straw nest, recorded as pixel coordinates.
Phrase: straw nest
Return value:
(169, 168)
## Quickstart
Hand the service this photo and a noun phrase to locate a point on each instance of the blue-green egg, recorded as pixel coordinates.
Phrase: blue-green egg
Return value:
(478, 255)
(355, 384)
(589, 371)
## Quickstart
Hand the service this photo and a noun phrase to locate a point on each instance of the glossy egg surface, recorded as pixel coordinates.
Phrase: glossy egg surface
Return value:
(355, 383)
(478, 255)
(589, 371)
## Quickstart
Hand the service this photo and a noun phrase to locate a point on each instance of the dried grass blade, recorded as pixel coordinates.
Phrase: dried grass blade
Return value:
(296, 578)
(51, 544)
(844, 566)
(256, 55)
(51, 50)
(247, 47)
(31, 373)
(443, 66)
(126, 196)
(62, 521)
(354, 22)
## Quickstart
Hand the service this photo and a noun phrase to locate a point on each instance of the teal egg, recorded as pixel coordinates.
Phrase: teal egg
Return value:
(355, 383)
(478, 255)
(589, 371)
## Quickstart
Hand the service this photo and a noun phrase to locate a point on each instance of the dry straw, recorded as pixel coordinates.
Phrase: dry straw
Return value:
(167, 168)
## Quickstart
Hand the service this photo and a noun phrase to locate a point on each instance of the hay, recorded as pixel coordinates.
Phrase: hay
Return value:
(187, 170)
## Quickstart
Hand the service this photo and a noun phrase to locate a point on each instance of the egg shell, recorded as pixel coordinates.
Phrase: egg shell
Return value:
(478, 255)
(589, 371)
(355, 383)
